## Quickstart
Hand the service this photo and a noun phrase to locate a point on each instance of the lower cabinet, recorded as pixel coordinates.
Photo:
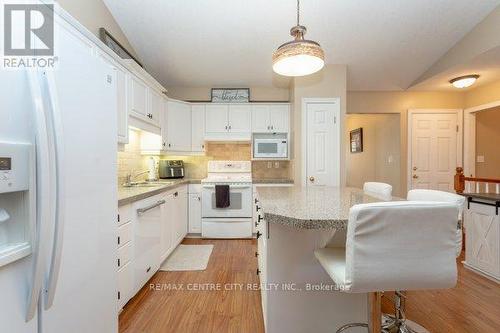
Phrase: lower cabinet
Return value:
(194, 226)
(482, 245)
(261, 228)
(148, 231)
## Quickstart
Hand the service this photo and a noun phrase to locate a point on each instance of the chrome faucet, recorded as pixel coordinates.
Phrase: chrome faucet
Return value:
(129, 177)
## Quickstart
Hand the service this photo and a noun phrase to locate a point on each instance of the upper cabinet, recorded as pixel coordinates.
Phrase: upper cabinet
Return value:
(274, 118)
(198, 128)
(178, 127)
(121, 96)
(138, 97)
(157, 105)
(227, 122)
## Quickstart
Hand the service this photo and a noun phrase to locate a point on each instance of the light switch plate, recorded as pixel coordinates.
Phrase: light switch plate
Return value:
(480, 159)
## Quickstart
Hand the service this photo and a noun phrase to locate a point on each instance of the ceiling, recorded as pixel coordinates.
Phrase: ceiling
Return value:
(386, 44)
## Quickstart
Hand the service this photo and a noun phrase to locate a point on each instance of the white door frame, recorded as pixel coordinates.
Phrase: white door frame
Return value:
(470, 136)
(313, 100)
(411, 112)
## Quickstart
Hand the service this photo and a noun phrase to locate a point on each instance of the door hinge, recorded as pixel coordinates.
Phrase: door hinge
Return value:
(334, 119)
(119, 295)
(457, 128)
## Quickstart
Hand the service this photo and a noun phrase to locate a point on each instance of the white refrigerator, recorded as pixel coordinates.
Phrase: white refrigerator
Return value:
(58, 194)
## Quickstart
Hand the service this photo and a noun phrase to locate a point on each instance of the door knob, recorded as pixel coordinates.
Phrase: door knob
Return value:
(414, 168)
(311, 179)
(415, 176)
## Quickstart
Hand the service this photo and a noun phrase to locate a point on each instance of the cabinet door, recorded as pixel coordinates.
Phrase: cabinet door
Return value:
(156, 106)
(125, 284)
(138, 94)
(180, 212)
(195, 213)
(483, 239)
(240, 120)
(279, 118)
(167, 226)
(121, 97)
(197, 128)
(260, 118)
(178, 126)
(216, 121)
(121, 102)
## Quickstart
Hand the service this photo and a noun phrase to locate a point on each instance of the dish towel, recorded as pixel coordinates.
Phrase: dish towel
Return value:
(222, 196)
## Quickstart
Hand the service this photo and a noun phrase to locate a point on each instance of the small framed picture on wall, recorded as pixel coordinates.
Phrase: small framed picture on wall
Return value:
(356, 136)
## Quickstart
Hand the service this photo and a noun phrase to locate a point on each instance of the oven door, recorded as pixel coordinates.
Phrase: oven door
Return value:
(240, 197)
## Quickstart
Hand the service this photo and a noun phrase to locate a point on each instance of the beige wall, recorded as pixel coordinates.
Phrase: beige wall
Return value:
(93, 14)
(330, 82)
(380, 159)
(400, 102)
(203, 93)
(487, 141)
(482, 95)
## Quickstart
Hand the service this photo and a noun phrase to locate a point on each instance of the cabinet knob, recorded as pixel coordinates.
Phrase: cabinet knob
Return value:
(256, 254)
(176, 194)
(164, 144)
(311, 179)
(415, 177)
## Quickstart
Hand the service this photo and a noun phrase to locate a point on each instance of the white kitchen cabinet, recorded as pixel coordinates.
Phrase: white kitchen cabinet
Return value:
(482, 231)
(216, 120)
(279, 118)
(198, 128)
(180, 214)
(124, 263)
(240, 121)
(147, 239)
(195, 213)
(227, 122)
(157, 106)
(138, 98)
(178, 126)
(274, 118)
(121, 96)
(167, 226)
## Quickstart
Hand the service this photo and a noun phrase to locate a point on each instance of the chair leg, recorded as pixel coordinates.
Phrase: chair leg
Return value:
(397, 322)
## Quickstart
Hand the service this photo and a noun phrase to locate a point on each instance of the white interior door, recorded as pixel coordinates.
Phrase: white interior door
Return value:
(433, 149)
(322, 144)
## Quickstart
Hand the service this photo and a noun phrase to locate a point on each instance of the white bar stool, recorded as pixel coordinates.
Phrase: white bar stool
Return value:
(382, 191)
(397, 245)
(441, 196)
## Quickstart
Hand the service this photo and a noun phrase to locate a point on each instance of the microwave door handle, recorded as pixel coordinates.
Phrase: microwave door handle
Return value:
(44, 175)
(58, 194)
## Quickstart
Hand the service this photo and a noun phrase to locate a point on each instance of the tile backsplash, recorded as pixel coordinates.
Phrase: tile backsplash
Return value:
(130, 160)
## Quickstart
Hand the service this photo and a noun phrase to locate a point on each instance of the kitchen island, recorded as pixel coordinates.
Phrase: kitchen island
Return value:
(297, 295)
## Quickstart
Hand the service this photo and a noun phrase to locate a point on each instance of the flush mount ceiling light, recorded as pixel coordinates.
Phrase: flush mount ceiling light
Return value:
(464, 81)
(299, 57)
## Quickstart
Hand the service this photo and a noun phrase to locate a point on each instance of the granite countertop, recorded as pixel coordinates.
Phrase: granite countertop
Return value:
(128, 195)
(311, 207)
(272, 181)
(484, 196)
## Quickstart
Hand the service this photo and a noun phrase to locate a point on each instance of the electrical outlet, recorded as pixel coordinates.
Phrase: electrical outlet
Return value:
(480, 159)
(276, 165)
(269, 165)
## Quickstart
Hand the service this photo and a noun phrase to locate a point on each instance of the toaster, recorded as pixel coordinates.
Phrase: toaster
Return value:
(171, 169)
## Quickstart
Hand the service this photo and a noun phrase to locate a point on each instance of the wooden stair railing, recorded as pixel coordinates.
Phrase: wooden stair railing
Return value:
(473, 184)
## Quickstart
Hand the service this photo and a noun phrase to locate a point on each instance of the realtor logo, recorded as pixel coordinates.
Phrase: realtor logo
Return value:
(29, 30)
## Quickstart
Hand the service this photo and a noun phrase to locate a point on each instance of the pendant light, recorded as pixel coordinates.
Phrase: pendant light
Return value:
(299, 57)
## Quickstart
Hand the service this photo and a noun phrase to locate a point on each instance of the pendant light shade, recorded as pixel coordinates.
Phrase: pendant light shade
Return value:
(299, 57)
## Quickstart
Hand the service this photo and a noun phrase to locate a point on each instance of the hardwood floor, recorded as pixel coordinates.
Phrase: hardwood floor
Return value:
(472, 306)
(231, 264)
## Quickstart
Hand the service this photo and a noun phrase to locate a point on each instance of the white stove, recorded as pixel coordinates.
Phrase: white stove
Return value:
(234, 221)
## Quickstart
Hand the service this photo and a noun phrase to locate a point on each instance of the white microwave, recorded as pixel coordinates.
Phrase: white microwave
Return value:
(270, 148)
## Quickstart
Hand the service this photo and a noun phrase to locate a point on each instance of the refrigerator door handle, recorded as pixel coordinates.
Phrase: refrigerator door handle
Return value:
(59, 198)
(44, 187)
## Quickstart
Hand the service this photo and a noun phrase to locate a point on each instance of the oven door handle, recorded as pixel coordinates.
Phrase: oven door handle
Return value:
(230, 186)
